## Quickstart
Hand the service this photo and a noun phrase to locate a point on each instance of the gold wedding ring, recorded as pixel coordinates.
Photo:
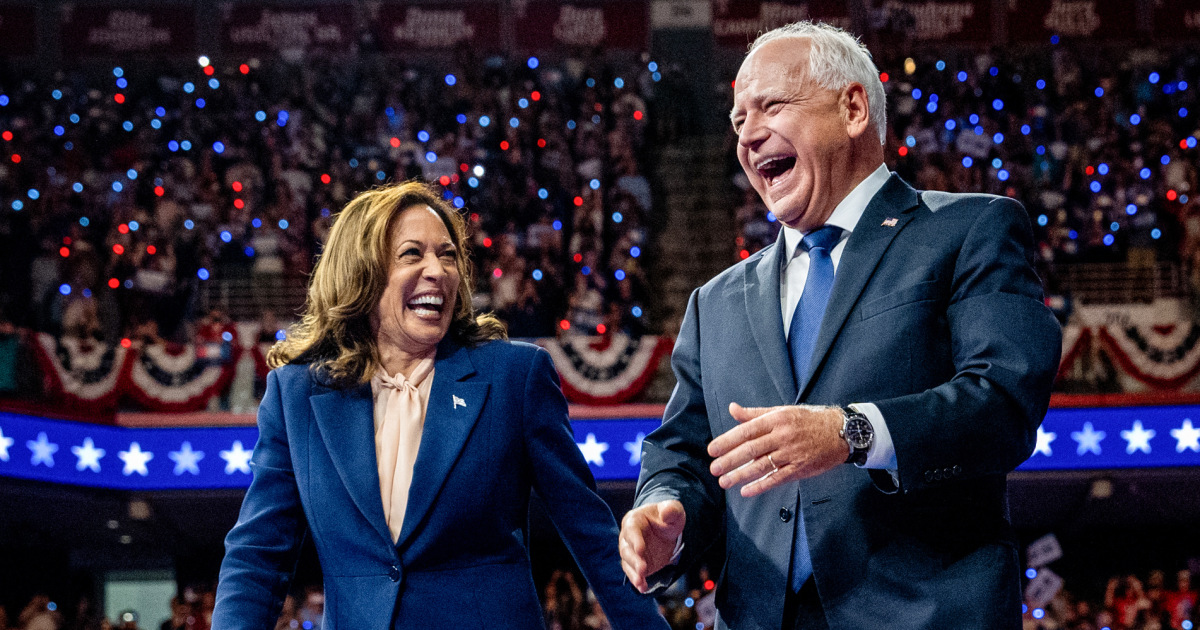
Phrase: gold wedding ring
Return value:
(774, 468)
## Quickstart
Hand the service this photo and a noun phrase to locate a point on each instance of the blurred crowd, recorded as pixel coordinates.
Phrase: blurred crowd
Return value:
(1128, 603)
(1099, 144)
(125, 190)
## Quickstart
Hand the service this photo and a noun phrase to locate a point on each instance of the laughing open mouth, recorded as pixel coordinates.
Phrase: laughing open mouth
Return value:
(773, 168)
(427, 305)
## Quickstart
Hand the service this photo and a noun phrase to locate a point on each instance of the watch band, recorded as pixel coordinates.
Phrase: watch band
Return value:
(859, 435)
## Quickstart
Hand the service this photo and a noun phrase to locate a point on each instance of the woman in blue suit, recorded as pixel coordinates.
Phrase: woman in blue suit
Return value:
(404, 434)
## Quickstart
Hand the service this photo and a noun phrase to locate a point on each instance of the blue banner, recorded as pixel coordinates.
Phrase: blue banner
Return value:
(84, 454)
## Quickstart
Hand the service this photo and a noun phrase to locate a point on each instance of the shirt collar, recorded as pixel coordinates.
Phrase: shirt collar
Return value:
(848, 212)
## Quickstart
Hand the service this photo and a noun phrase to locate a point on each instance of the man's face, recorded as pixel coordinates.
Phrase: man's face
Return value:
(793, 141)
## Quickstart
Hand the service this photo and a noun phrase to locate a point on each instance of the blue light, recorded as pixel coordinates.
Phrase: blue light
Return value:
(570, 124)
(459, 202)
(1109, 239)
(1025, 130)
(974, 118)
(513, 122)
(532, 63)
(68, 145)
(635, 251)
(1041, 84)
(117, 187)
(652, 66)
(118, 71)
(173, 146)
(260, 116)
(962, 76)
(656, 76)
(74, 118)
(1072, 235)
(484, 121)
(1166, 159)
(380, 175)
(997, 162)
(557, 225)
(129, 284)
(587, 271)
(57, 94)
(1103, 168)
(543, 193)
(594, 184)
(979, 130)
(689, 602)
(770, 217)
(940, 65)
(910, 141)
(998, 137)
(1183, 112)
(1114, 226)
(249, 251)
(226, 236)
(1094, 186)
(1002, 175)
(1031, 573)
(1134, 119)
(619, 274)
(133, 226)
(637, 311)
(473, 182)
(537, 274)
(77, 187)
(1182, 86)
(160, 111)
(202, 273)
(1043, 220)
(17, 205)
(1156, 234)
(64, 289)
(523, 103)
(933, 97)
(1099, 92)
(967, 161)
(280, 335)
(1144, 173)
(950, 124)
(1191, 142)
(84, 221)
(1131, 209)
(1186, 625)
(1038, 613)
(430, 157)
(617, 218)
(186, 145)
(590, 82)
(213, 83)
(283, 224)
(33, 193)
(1053, 40)
(155, 124)
(461, 118)
(256, 222)
(353, 162)
(997, 104)
(451, 79)
(916, 93)
(931, 107)
(127, 126)
(423, 135)
(189, 224)
(189, 87)
(1154, 77)
(200, 103)
(282, 118)
(122, 83)
(219, 146)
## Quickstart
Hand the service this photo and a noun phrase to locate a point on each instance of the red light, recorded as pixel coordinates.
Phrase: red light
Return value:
(1089, 170)
(733, 84)
(64, 251)
(152, 250)
(325, 179)
(118, 249)
(709, 584)
(209, 70)
(883, 76)
(475, 217)
(541, 143)
(1172, 195)
(244, 69)
(487, 242)
(565, 325)
(113, 283)
(579, 201)
(237, 186)
(125, 343)
(395, 142)
(444, 180)
(66, 240)
(504, 145)
(637, 115)
(601, 328)
(744, 254)
(123, 228)
(16, 158)
(577, 257)
(536, 95)
(1183, 144)
(496, 273)
(120, 98)
(463, 167)
(159, 191)
(8, 136)
(903, 151)
(454, 178)
(598, 107)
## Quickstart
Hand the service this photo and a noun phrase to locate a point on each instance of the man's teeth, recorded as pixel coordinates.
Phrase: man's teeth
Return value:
(769, 161)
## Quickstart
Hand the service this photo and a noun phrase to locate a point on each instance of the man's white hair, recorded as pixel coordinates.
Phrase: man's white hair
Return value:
(836, 60)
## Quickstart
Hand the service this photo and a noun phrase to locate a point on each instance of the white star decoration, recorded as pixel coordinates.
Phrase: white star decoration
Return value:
(185, 459)
(89, 456)
(135, 460)
(1138, 438)
(1088, 438)
(593, 451)
(43, 451)
(635, 449)
(237, 459)
(1186, 437)
(1044, 438)
(5, 442)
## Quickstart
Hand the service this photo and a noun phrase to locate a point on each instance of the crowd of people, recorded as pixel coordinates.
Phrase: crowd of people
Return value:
(1100, 146)
(125, 189)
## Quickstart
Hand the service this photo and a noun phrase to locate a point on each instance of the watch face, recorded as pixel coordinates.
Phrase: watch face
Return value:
(859, 432)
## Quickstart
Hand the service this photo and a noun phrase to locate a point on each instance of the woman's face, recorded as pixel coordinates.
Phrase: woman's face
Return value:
(422, 285)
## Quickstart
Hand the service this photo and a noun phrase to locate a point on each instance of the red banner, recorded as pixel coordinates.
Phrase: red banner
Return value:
(1177, 19)
(408, 27)
(738, 22)
(957, 21)
(18, 30)
(1038, 20)
(254, 29)
(541, 25)
(103, 31)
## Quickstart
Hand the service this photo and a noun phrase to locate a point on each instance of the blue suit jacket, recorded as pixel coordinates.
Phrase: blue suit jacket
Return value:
(936, 316)
(461, 560)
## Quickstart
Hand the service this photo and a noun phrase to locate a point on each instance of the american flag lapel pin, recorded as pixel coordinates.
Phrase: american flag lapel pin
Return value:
(889, 222)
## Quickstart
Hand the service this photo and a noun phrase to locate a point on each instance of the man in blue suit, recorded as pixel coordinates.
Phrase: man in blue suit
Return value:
(851, 398)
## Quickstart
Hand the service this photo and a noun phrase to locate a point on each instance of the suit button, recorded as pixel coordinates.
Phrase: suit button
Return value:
(394, 574)
(928, 475)
(957, 470)
(785, 514)
(937, 474)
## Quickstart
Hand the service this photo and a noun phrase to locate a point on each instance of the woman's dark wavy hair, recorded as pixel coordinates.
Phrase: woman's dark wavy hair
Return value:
(334, 336)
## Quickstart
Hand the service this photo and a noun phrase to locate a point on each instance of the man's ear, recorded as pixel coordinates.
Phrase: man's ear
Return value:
(855, 109)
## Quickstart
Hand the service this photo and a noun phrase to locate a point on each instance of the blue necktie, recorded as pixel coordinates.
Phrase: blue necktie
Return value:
(802, 336)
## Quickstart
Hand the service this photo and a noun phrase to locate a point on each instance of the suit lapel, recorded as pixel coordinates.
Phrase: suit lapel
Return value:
(766, 318)
(345, 419)
(454, 407)
(887, 213)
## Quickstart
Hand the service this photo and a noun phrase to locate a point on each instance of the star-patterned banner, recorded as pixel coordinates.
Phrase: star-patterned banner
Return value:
(206, 457)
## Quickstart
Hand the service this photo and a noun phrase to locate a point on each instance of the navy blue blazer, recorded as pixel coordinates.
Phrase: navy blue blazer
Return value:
(937, 318)
(461, 559)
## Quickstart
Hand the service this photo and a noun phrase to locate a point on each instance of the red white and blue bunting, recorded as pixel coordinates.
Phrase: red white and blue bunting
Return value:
(606, 370)
(175, 378)
(81, 373)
